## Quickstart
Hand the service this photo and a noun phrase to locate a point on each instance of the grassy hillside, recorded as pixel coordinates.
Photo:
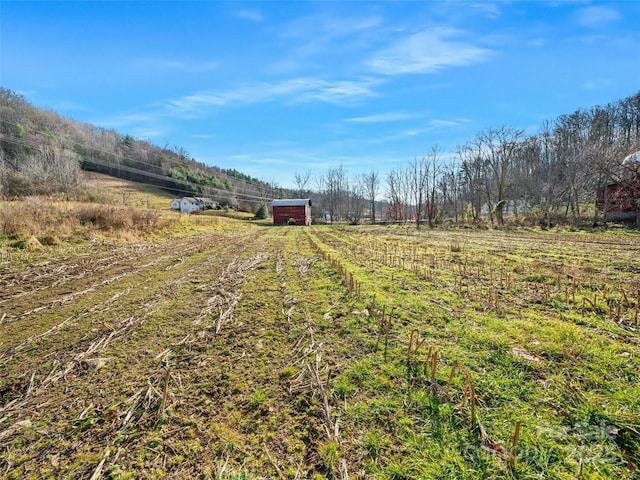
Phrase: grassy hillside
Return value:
(107, 189)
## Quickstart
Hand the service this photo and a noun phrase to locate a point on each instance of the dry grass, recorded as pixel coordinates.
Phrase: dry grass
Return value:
(49, 221)
(111, 217)
(100, 188)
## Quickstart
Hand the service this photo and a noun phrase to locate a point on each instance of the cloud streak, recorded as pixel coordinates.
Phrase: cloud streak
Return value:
(298, 90)
(251, 15)
(383, 117)
(428, 51)
(597, 16)
(176, 65)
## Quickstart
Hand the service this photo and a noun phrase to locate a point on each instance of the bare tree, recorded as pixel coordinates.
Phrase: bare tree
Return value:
(371, 183)
(471, 174)
(417, 175)
(356, 201)
(571, 136)
(449, 186)
(335, 183)
(497, 148)
(302, 180)
(433, 172)
(397, 194)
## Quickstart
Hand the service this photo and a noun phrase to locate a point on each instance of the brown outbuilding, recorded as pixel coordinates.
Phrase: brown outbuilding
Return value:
(292, 211)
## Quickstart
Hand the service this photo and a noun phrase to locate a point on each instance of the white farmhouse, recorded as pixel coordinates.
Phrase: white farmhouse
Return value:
(191, 204)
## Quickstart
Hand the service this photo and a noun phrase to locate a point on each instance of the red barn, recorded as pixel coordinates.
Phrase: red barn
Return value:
(294, 211)
(621, 200)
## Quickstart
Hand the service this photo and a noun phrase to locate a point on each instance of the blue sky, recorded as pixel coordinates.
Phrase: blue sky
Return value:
(274, 88)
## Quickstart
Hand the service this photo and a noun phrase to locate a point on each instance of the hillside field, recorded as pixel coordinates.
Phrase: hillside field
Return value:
(237, 350)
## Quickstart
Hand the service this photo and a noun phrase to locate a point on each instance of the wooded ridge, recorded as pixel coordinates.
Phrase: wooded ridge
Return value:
(42, 152)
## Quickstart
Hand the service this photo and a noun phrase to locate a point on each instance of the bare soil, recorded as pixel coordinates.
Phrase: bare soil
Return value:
(166, 358)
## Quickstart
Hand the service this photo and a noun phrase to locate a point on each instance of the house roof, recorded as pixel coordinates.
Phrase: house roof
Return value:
(198, 199)
(291, 202)
(632, 159)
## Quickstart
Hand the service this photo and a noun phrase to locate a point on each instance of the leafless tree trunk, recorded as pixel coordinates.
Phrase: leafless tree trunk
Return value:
(498, 147)
(397, 194)
(434, 171)
(356, 201)
(418, 178)
(302, 180)
(335, 182)
(371, 182)
(471, 165)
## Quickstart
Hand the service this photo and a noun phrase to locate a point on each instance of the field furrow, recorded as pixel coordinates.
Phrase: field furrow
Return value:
(325, 352)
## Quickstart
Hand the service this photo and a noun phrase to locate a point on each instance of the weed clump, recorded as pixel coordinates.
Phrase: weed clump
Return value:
(35, 223)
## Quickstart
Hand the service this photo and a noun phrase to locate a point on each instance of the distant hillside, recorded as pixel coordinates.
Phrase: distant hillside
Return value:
(105, 188)
(42, 152)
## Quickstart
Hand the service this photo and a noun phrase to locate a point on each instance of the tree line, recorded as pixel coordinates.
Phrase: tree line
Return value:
(498, 175)
(547, 178)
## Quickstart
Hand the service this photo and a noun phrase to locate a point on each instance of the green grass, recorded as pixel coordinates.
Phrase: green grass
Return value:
(579, 386)
(494, 318)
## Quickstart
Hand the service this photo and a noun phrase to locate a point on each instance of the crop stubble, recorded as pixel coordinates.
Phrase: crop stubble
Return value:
(201, 356)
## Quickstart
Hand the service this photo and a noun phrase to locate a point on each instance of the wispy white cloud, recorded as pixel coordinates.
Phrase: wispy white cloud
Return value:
(324, 27)
(488, 9)
(176, 65)
(314, 41)
(427, 51)
(126, 120)
(537, 42)
(336, 92)
(204, 136)
(253, 15)
(199, 104)
(595, 84)
(270, 160)
(438, 123)
(71, 106)
(383, 117)
(597, 16)
(294, 91)
(200, 67)
(147, 126)
(431, 126)
(148, 134)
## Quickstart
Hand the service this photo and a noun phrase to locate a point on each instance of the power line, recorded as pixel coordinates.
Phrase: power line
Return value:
(145, 173)
(179, 161)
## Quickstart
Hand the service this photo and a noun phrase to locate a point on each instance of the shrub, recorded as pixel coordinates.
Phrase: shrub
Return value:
(110, 217)
(261, 212)
(13, 221)
(104, 217)
(145, 219)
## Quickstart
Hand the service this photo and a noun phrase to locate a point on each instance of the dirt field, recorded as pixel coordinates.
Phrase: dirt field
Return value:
(251, 353)
(146, 356)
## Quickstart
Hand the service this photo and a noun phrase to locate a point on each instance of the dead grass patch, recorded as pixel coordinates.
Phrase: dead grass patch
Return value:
(49, 223)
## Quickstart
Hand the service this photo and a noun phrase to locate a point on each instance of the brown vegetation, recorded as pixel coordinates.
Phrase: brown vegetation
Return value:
(48, 220)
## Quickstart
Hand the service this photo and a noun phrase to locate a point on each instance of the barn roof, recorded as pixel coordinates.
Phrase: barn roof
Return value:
(291, 202)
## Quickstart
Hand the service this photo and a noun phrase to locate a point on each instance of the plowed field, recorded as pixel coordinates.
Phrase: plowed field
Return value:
(299, 352)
